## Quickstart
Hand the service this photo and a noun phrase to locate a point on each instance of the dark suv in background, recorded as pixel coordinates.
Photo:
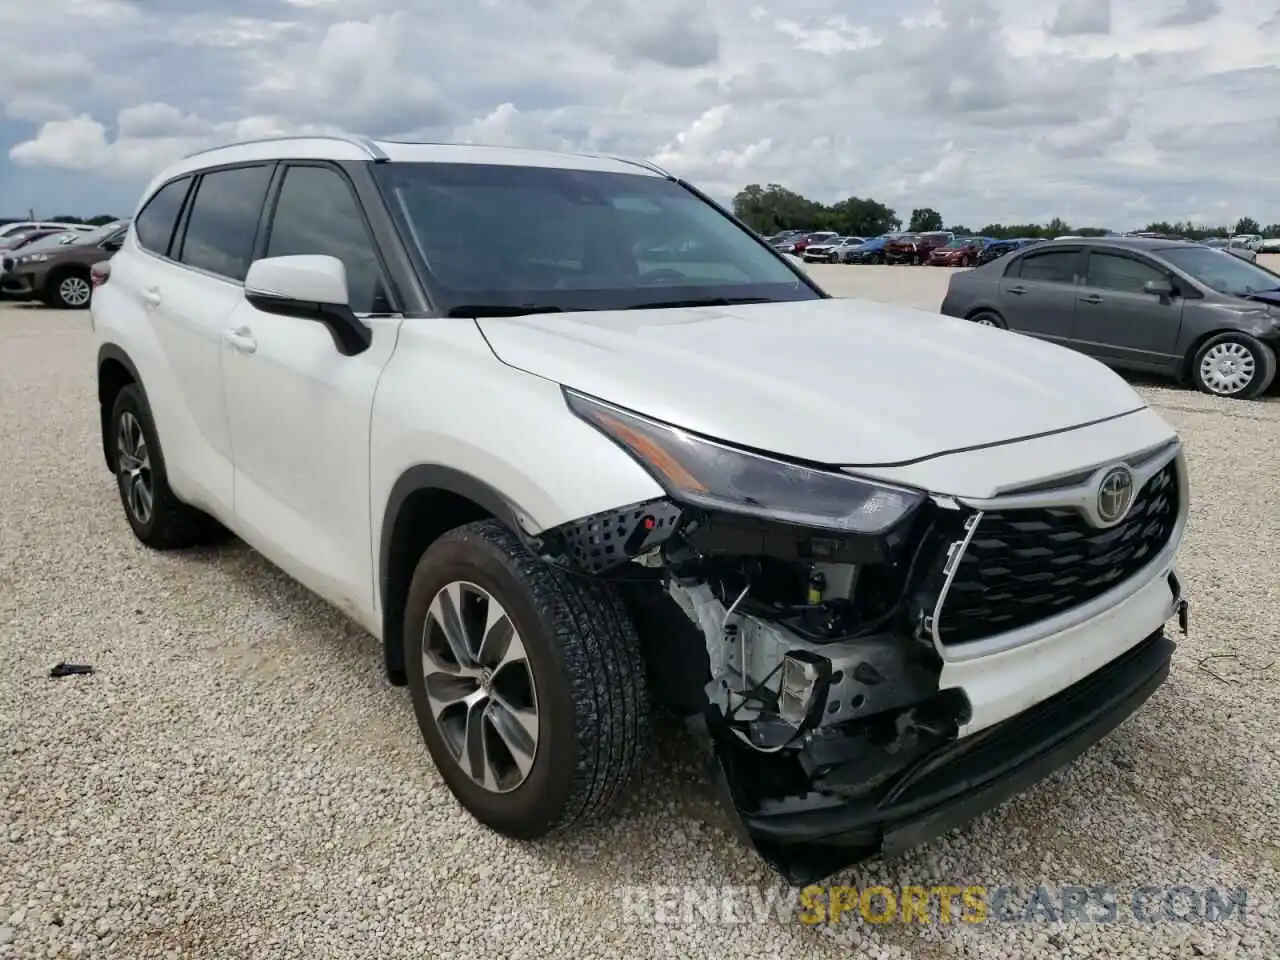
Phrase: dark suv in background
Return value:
(59, 276)
(917, 247)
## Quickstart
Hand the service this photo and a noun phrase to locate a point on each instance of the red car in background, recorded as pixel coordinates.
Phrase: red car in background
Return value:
(960, 252)
(809, 238)
(916, 248)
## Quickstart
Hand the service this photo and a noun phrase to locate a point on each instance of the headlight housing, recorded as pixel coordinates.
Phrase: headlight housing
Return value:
(33, 258)
(704, 473)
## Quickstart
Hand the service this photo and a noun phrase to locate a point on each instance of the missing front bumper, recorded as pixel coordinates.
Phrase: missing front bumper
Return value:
(808, 838)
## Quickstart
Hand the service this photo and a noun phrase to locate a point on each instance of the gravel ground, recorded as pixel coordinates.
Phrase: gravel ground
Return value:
(238, 781)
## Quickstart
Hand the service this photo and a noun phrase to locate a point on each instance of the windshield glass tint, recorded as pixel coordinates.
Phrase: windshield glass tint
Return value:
(499, 235)
(1224, 272)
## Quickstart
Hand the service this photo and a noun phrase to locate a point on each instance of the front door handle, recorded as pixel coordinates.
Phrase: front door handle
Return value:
(1091, 298)
(151, 296)
(1018, 291)
(242, 340)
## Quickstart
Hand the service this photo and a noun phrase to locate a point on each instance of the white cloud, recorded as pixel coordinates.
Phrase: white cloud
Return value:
(987, 110)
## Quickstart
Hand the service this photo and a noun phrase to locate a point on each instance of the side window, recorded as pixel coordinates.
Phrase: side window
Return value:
(154, 224)
(224, 220)
(1111, 271)
(1051, 266)
(318, 214)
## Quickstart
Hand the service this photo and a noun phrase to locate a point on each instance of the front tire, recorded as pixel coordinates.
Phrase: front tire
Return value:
(528, 683)
(1234, 365)
(159, 519)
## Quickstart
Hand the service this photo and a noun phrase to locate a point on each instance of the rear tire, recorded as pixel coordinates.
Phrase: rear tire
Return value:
(69, 290)
(159, 519)
(576, 681)
(989, 318)
(1233, 365)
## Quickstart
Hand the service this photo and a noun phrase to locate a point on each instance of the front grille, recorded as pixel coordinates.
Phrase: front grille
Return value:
(1025, 565)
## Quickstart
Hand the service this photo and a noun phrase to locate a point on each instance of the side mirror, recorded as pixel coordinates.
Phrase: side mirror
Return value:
(309, 287)
(1158, 288)
(114, 244)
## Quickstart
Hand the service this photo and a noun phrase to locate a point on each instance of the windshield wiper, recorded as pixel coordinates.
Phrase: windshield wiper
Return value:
(698, 302)
(502, 309)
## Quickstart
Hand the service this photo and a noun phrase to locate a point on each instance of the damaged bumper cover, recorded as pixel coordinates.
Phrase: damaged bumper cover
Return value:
(807, 838)
(871, 665)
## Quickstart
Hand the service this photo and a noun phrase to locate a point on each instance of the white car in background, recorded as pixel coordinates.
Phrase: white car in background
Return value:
(892, 567)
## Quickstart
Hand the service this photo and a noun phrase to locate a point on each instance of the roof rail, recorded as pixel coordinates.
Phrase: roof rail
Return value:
(364, 143)
(646, 164)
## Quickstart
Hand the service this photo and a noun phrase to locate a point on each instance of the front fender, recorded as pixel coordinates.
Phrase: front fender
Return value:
(448, 412)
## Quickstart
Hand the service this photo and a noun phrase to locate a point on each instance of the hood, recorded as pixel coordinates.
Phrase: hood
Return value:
(827, 381)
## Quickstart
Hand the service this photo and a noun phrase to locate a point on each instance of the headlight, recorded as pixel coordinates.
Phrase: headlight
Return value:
(708, 474)
(34, 258)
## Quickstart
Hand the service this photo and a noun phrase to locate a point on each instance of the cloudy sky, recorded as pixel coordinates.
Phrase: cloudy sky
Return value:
(1109, 113)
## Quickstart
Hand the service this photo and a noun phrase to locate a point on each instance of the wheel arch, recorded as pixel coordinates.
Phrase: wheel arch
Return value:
(426, 501)
(1189, 358)
(115, 372)
(984, 308)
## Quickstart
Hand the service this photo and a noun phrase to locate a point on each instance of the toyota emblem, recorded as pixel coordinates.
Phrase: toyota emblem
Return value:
(1115, 494)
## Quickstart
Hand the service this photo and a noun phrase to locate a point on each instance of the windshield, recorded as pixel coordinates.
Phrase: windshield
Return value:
(513, 239)
(962, 242)
(51, 241)
(1222, 271)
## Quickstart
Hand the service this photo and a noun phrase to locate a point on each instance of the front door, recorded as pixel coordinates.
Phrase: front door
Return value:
(299, 410)
(1117, 322)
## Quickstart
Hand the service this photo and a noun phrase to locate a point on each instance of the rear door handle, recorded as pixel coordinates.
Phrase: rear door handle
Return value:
(1091, 298)
(151, 296)
(242, 340)
(1019, 291)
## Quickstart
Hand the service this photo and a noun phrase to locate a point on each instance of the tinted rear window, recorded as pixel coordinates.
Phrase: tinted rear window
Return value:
(154, 226)
(224, 220)
(1048, 266)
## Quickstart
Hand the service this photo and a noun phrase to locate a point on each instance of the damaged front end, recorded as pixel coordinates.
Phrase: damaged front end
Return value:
(791, 613)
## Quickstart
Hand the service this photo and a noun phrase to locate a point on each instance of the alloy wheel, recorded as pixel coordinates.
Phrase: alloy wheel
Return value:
(133, 464)
(479, 686)
(75, 291)
(1227, 368)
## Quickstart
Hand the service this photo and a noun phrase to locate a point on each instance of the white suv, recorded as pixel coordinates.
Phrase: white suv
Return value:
(564, 434)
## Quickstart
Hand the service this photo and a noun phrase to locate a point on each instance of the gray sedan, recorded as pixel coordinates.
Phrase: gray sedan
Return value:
(1159, 306)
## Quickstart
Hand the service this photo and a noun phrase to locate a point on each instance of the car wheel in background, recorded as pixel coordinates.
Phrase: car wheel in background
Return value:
(988, 318)
(528, 683)
(69, 290)
(1233, 365)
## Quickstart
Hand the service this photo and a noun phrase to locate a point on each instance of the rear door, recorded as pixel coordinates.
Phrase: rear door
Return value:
(1120, 324)
(1038, 293)
(192, 299)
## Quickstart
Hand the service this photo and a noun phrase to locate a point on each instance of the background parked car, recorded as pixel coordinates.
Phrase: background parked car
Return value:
(998, 248)
(17, 241)
(59, 274)
(960, 252)
(1269, 245)
(27, 226)
(872, 250)
(916, 248)
(1160, 306)
(1241, 248)
(829, 251)
(803, 243)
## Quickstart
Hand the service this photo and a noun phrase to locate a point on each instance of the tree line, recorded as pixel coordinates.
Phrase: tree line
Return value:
(99, 221)
(773, 208)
